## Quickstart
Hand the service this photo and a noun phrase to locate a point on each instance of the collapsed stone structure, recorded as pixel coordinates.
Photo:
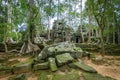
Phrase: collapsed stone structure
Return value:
(53, 57)
(62, 53)
(61, 32)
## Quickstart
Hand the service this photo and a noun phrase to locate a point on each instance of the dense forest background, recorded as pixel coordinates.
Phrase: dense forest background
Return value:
(21, 20)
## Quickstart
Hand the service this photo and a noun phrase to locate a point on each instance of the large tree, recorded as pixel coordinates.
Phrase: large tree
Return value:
(81, 22)
(29, 45)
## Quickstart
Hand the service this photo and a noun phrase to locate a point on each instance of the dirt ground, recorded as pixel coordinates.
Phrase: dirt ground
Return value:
(109, 66)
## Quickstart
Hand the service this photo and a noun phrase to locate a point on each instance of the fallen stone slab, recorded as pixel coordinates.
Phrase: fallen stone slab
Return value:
(26, 67)
(45, 76)
(52, 64)
(41, 66)
(18, 77)
(68, 76)
(3, 60)
(95, 76)
(5, 72)
(83, 66)
(4, 69)
(63, 58)
(12, 62)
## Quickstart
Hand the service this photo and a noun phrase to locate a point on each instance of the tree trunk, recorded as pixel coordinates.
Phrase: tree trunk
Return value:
(69, 12)
(9, 21)
(102, 42)
(113, 34)
(108, 28)
(89, 16)
(107, 38)
(31, 33)
(31, 21)
(58, 13)
(100, 21)
(118, 35)
(81, 30)
(8, 31)
(97, 33)
(48, 36)
(114, 27)
(9, 14)
(29, 46)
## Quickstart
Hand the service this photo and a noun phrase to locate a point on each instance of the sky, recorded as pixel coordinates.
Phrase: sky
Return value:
(83, 3)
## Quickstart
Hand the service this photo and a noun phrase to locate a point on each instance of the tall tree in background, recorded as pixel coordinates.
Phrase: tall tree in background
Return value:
(8, 37)
(50, 13)
(50, 1)
(99, 13)
(89, 20)
(58, 15)
(81, 26)
(29, 45)
(9, 16)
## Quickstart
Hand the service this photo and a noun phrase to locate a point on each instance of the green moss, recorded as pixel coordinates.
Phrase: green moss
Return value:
(12, 62)
(92, 55)
(63, 58)
(41, 66)
(83, 66)
(70, 76)
(5, 72)
(95, 76)
(18, 77)
(4, 69)
(39, 72)
(22, 68)
(44, 76)
(52, 64)
(29, 61)
(3, 60)
(11, 55)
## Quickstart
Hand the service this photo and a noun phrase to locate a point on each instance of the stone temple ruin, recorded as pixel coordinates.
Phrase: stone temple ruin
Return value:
(61, 32)
(62, 53)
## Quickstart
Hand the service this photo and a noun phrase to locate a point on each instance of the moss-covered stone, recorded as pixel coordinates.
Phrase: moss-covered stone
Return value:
(70, 76)
(44, 65)
(88, 47)
(3, 60)
(63, 58)
(4, 69)
(95, 76)
(12, 62)
(44, 76)
(52, 64)
(83, 66)
(5, 72)
(18, 77)
(11, 55)
(60, 48)
(92, 55)
(112, 49)
(22, 68)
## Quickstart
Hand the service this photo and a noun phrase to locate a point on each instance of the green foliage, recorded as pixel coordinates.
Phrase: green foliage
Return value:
(68, 10)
